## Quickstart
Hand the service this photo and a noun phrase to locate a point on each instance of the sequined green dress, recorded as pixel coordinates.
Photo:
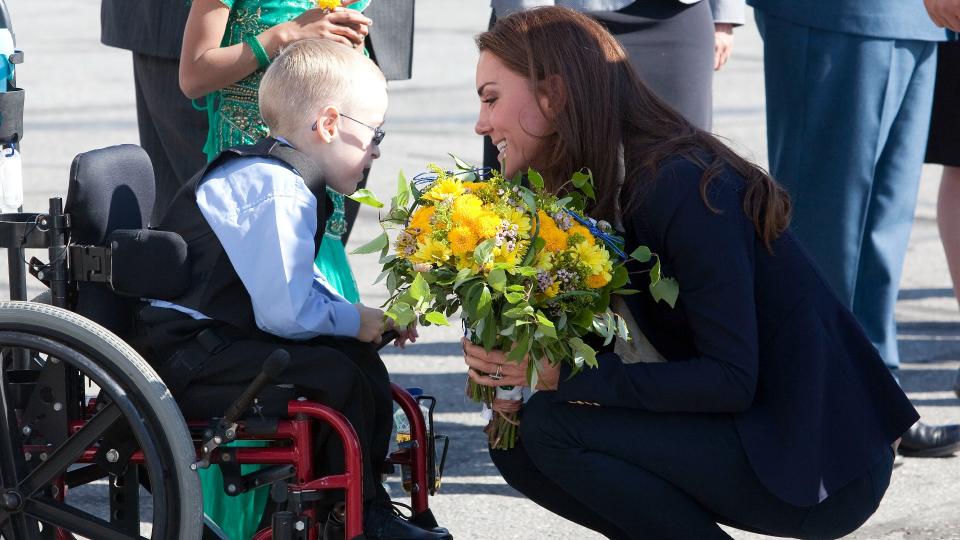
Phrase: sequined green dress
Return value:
(234, 119)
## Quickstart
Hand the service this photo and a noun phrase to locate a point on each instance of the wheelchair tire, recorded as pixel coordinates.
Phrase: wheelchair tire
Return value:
(140, 397)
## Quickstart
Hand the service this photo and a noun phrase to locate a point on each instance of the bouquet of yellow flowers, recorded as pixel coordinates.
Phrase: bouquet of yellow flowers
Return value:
(531, 274)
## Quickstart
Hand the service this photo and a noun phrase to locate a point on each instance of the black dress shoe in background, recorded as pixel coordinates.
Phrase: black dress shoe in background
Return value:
(382, 522)
(923, 440)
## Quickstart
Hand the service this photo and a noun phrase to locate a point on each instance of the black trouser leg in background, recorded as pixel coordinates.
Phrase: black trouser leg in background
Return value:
(171, 131)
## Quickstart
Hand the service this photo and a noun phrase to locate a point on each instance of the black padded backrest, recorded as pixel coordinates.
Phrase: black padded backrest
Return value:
(110, 188)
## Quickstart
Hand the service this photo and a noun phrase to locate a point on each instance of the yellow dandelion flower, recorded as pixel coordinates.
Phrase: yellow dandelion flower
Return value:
(544, 260)
(447, 188)
(431, 251)
(486, 224)
(593, 257)
(583, 232)
(328, 4)
(466, 209)
(521, 220)
(473, 187)
(552, 290)
(421, 219)
(597, 281)
(462, 240)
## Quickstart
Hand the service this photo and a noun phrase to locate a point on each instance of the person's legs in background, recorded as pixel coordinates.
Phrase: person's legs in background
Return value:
(943, 148)
(844, 117)
(171, 131)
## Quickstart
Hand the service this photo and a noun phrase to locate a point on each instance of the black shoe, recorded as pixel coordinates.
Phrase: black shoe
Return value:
(382, 522)
(923, 440)
(333, 528)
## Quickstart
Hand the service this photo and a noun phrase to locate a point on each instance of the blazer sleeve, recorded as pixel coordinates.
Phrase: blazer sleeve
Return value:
(728, 11)
(711, 254)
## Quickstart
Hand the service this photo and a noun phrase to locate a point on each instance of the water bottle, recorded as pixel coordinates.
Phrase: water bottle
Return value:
(11, 179)
(402, 425)
(6, 49)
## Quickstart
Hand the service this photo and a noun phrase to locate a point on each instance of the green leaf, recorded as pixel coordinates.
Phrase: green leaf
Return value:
(488, 335)
(484, 251)
(365, 196)
(641, 254)
(462, 165)
(583, 354)
(484, 303)
(535, 179)
(625, 292)
(402, 198)
(497, 279)
(435, 317)
(581, 178)
(402, 314)
(620, 277)
(666, 289)
(518, 312)
(464, 275)
(513, 297)
(373, 246)
(530, 200)
(520, 350)
(419, 289)
(655, 272)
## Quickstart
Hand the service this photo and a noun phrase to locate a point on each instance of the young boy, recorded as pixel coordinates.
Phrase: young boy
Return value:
(253, 220)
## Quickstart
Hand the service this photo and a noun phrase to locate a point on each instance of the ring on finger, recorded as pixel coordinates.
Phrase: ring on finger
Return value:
(498, 375)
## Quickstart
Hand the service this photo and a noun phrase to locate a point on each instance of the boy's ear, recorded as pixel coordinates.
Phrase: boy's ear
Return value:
(327, 121)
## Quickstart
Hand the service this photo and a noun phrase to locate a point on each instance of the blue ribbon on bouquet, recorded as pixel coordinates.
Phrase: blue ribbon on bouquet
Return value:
(424, 178)
(612, 241)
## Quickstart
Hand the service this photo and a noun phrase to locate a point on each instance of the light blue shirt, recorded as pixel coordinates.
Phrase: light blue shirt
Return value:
(266, 218)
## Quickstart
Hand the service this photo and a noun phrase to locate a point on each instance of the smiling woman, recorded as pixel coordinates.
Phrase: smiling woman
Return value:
(764, 368)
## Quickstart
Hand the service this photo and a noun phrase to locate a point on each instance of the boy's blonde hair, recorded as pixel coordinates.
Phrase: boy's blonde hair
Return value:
(312, 73)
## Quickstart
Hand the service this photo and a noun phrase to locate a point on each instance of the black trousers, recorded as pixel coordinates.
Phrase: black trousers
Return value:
(344, 374)
(627, 473)
(171, 130)
(670, 45)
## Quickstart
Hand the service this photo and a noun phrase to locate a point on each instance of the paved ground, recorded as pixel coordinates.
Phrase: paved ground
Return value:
(80, 96)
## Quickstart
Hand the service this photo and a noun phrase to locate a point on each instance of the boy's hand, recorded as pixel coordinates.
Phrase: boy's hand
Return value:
(410, 334)
(372, 324)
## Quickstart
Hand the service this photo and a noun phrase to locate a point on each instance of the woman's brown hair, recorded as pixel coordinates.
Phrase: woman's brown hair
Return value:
(605, 103)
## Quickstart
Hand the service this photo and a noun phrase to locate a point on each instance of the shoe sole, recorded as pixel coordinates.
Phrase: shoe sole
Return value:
(937, 451)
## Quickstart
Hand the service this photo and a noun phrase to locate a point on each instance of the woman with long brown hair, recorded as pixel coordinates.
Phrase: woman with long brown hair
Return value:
(760, 403)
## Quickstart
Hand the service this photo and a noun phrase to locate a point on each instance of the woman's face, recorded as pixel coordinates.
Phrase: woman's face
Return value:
(510, 113)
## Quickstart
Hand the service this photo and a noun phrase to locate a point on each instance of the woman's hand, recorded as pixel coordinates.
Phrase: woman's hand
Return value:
(722, 44)
(341, 25)
(511, 373)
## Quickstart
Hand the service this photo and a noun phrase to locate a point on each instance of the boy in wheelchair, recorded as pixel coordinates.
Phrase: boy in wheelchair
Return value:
(252, 220)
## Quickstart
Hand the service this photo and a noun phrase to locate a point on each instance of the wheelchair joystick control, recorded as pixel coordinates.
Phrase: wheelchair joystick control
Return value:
(226, 428)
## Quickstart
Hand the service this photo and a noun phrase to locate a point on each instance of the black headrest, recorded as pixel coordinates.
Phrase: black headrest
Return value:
(110, 188)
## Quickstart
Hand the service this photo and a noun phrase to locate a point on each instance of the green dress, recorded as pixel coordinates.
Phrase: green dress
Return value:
(234, 119)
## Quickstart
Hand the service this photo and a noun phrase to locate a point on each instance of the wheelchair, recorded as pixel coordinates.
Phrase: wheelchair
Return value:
(84, 417)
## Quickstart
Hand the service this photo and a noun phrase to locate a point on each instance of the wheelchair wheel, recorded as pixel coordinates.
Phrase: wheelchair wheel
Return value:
(37, 492)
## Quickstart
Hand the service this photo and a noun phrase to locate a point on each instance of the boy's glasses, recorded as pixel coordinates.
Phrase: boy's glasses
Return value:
(378, 134)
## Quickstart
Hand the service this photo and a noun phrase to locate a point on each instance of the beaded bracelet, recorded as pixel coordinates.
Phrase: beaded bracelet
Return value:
(263, 59)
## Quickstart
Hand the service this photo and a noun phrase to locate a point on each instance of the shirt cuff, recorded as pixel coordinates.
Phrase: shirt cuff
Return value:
(728, 11)
(346, 321)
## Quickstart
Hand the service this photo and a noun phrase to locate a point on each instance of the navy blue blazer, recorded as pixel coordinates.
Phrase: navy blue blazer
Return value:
(755, 334)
